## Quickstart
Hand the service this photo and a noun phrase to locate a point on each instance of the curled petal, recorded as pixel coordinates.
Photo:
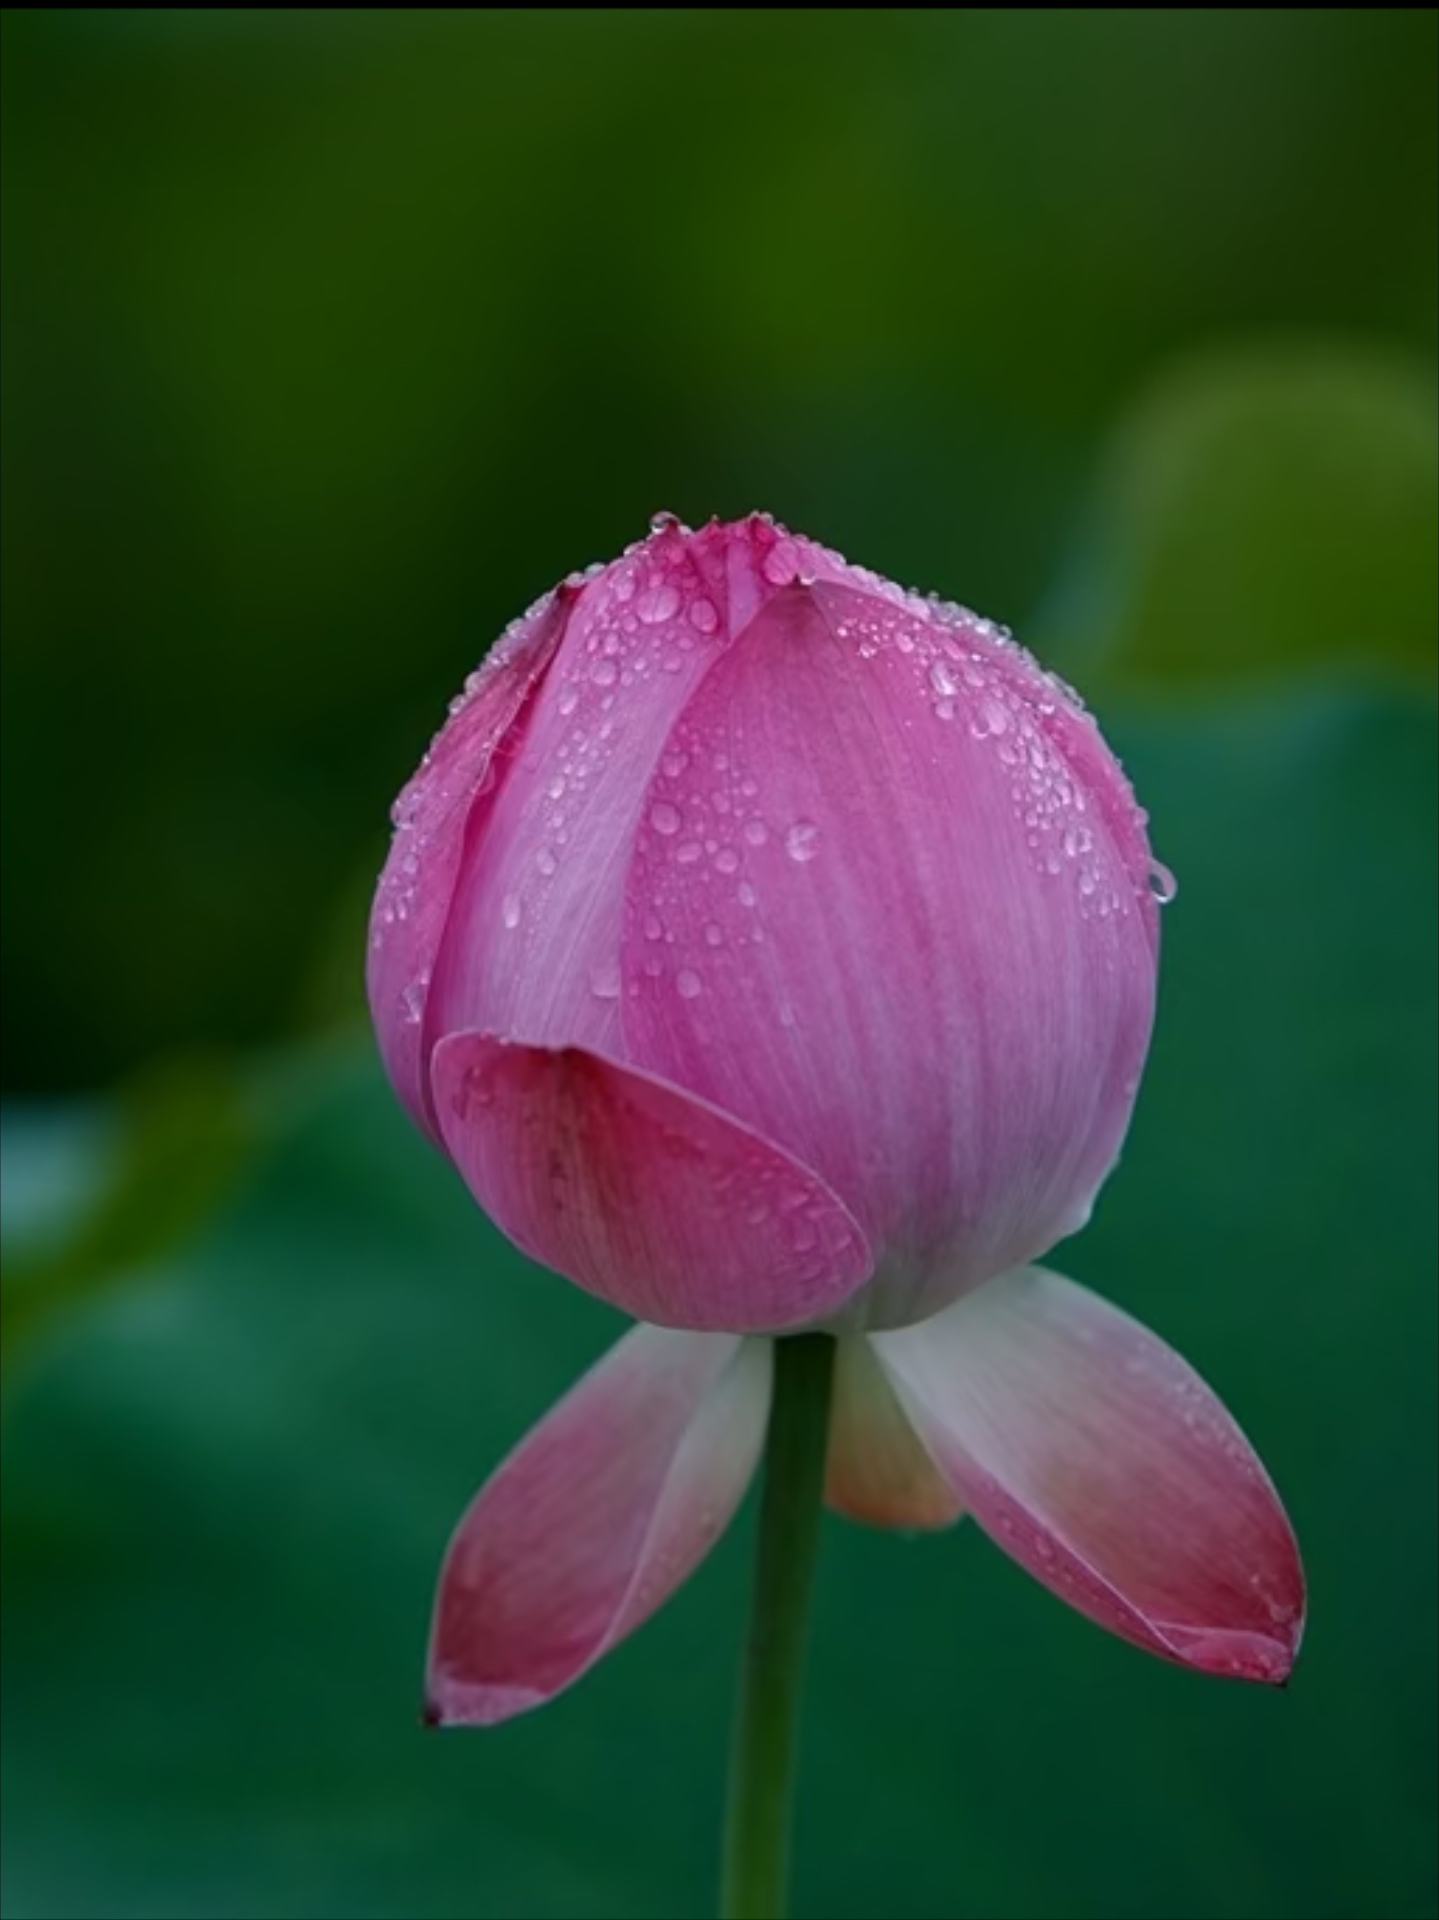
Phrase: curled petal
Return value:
(534, 943)
(412, 902)
(876, 912)
(1100, 1461)
(604, 1509)
(878, 1469)
(642, 1193)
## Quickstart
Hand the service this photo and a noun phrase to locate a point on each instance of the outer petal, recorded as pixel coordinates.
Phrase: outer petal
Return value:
(534, 946)
(594, 1520)
(878, 1469)
(875, 912)
(641, 1193)
(1100, 1461)
(412, 902)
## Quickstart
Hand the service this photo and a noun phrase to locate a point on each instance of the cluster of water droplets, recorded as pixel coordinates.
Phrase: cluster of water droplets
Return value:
(643, 619)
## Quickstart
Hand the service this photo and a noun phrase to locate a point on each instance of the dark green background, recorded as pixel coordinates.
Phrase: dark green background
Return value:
(330, 340)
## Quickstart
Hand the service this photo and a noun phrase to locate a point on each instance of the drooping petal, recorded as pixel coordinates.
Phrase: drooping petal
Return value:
(878, 1469)
(1097, 1458)
(412, 902)
(604, 1509)
(640, 1192)
(876, 914)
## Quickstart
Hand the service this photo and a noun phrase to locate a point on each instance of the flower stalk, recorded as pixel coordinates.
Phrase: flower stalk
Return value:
(762, 1761)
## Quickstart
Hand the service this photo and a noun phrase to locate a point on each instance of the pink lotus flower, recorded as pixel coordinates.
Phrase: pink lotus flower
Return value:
(773, 949)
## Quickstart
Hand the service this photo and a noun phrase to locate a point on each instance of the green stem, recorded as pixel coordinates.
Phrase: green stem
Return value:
(762, 1760)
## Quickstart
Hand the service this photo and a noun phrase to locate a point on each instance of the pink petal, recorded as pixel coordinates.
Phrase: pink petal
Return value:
(1101, 1462)
(878, 914)
(604, 1509)
(878, 1469)
(641, 1193)
(534, 946)
(412, 902)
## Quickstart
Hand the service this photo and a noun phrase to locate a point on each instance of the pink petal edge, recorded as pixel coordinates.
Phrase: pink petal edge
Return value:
(432, 817)
(641, 1192)
(602, 1511)
(1098, 1459)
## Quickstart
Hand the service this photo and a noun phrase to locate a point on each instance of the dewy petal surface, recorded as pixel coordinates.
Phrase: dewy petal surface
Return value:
(432, 817)
(867, 863)
(1099, 1460)
(592, 1522)
(534, 943)
(640, 1192)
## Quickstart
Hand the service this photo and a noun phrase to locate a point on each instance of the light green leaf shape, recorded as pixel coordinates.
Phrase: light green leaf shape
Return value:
(1265, 511)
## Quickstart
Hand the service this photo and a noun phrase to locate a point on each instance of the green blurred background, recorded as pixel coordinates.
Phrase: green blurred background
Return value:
(332, 338)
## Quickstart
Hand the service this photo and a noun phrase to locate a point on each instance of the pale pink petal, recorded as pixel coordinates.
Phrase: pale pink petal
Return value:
(878, 1469)
(875, 866)
(534, 945)
(604, 1509)
(642, 1193)
(1101, 1462)
(431, 816)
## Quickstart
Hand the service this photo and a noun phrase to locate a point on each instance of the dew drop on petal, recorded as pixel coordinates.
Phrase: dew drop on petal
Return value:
(605, 980)
(665, 818)
(1162, 883)
(604, 672)
(801, 842)
(756, 832)
(688, 984)
(658, 603)
(510, 911)
(703, 617)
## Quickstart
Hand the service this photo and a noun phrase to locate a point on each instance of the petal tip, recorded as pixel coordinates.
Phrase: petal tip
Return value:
(1235, 1654)
(460, 1703)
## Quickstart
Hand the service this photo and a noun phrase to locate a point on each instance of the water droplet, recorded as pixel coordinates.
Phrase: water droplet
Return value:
(569, 698)
(674, 764)
(605, 980)
(1077, 840)
(688, 984)
(745, 894)
(714, 934)
(1088, 880)
(756, 832)
(801, 842)
(727, 860)
(556, 787)
(942, 680)
(688, 852)
(412, 1002)
(1162, 883)
(658, 603)
(604, 672)
(510, 911)
(664, 818)
(944, 709)
(703, 616)
(546, 861)
(666, 523)
(654, 927)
